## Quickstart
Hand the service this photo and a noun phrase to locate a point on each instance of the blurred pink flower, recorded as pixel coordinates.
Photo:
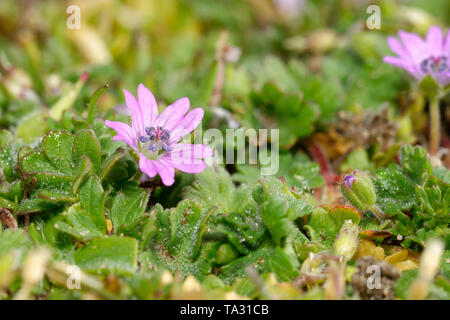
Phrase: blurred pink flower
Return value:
(156, 138)
(422, 57)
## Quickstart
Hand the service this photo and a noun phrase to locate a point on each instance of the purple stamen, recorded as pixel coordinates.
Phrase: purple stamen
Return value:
(166, 147)
(143, 139)
(165, 135)
(152, 148)
(150, 130)
(348, 180)
(433, 64)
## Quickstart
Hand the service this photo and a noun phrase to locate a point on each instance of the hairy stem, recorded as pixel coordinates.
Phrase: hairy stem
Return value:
(435, 126)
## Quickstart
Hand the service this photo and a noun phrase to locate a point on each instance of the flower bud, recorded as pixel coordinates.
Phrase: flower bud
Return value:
(346, 241)
(359, 190)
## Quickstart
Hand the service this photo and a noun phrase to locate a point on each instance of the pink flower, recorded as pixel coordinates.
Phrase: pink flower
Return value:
(422, 57)
(156, 138)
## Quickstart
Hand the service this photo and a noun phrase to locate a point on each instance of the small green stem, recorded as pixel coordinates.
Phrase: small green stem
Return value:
(435, 126)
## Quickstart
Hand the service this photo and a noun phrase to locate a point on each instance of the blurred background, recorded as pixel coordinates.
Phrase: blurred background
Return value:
(292, 64)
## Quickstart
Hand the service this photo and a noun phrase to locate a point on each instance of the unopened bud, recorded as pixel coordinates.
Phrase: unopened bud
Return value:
(346, 241)
(359, 190)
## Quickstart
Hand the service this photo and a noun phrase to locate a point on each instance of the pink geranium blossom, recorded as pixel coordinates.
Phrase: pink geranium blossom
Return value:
(156, 138)
(422, 57)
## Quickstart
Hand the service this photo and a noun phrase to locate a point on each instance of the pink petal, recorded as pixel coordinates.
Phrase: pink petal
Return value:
(447, 45)
(186, 125)
(147, 105)
(136, 116)
(147, 166)
(195, 151)
(173, 114)
(398, 48)
(166, 172)
(435, 40)
(414, 45)
(196, 167)
(186, 157)
(401, 63)
(124, 132)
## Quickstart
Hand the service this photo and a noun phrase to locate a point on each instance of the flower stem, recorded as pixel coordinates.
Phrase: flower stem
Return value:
(435, 126)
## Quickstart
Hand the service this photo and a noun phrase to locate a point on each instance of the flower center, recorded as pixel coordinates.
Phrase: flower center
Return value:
(433, 64)
(155, 143)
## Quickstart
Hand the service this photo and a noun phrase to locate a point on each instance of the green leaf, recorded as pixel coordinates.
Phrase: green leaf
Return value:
(14, 240)
(442, 173)
(433, 204)
(283, 265)
(403, 283)
(258, 259)
(297, 171)
(79, 224)
(85, 171)
(35, 204)
(92, 199)
(274, 215)
(395, 192)
(244, 229)
(128, 206)
(86, 144)
(187, 225)
(175, 241)
(213, 187)
(322, 227)
(416, 163)
(57, 146)
(5, 203)
(108, 254)
(342, 213)
(32, 127)
(118, 167)
(36, 162)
